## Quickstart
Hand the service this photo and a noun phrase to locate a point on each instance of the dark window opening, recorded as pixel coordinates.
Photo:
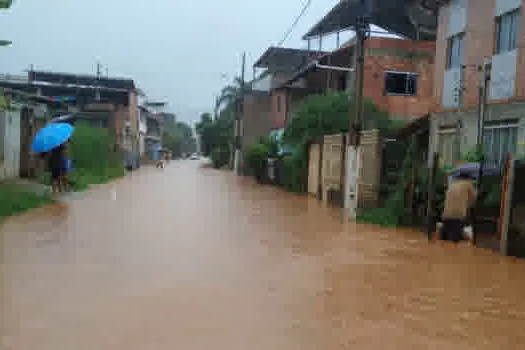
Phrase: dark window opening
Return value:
(342, 82)
(278, 104)
(401, 83)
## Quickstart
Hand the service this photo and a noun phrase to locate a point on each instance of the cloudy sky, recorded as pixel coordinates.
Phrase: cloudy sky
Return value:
(178, 50)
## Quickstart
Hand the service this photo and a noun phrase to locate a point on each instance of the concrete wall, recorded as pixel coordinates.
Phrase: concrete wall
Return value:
(257, 117)
(506, 95)
(10, 144)
(279, 108)
(495, 113)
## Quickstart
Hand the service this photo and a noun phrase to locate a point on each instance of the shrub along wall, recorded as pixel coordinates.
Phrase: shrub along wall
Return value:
(95, 158)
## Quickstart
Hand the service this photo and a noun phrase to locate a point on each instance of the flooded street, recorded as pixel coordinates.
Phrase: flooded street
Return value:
(190, 258)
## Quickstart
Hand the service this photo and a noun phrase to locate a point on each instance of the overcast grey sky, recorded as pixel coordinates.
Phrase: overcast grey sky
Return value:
(175, 50)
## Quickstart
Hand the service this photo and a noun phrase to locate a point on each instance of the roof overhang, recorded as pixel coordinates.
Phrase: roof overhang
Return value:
(313, 65)
(284, 59)
(66, 79)
(413, 19)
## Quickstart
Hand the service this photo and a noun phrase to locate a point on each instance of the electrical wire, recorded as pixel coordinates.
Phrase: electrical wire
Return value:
(295, 22)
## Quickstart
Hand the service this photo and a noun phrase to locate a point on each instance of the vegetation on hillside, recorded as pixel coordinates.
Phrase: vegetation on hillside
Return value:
(178, 138)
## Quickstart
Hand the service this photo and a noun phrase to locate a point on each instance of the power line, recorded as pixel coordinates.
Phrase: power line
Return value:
(295, 22)
(292, 27)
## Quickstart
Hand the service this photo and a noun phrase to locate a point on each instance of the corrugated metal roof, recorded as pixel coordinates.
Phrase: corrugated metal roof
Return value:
(414, 19)
(284, 59)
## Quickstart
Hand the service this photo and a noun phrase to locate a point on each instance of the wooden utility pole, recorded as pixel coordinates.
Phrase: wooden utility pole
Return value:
(240, 115)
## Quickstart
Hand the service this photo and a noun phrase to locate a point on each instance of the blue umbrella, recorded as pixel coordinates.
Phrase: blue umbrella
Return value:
(472, 170)
(51, 136)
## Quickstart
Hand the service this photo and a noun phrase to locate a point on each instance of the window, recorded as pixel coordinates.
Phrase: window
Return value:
(400, 83)
(498, 141)
(446, 145)
(278, 104)
(455, 51)
(507, 30)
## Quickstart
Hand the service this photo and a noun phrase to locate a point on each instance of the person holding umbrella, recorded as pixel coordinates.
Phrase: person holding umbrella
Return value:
(51, 142)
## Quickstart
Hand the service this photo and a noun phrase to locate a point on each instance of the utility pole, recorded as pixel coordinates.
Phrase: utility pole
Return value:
(239, 115)
(485, 77)
(362, 32)
(99, 70)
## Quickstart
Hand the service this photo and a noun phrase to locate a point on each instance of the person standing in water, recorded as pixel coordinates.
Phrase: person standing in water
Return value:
(55, 166)
(64, 169)
(460, 195)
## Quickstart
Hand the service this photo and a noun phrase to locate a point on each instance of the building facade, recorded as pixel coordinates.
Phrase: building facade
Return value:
(471, 33)
(398, 76)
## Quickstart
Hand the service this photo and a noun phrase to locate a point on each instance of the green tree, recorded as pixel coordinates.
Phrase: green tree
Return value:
(229, 95)
(178, 138)
(5, 4)
(331, 113)
(205, 131)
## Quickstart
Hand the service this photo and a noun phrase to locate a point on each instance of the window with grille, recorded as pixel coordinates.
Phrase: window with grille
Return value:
(507, 31)
(498, 141)
(455, 51)
(401, 83)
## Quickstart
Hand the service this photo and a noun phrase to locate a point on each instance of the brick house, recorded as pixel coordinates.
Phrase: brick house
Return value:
(398, 76)
(100, 101)
(263, 104)
(469, 34)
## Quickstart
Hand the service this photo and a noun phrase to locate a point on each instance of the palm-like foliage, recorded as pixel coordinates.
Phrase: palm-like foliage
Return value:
(229, 94)
(5, 4)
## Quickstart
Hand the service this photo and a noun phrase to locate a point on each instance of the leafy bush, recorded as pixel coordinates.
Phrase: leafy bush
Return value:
(220, 157)
(330, 113)
(294, 177)
(256, 157)
(390, 215)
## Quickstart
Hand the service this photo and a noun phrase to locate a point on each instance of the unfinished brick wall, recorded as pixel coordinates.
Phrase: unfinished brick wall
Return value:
(386, 54)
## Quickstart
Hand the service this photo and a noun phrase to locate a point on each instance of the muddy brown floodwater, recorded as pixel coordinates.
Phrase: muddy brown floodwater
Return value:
(190, 258)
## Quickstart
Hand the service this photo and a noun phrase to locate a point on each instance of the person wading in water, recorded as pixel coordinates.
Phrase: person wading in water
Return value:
(460, 195)
(55, 165)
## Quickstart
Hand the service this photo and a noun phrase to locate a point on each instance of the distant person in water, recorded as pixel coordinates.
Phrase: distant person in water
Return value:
(460, 195)
(160, 161)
